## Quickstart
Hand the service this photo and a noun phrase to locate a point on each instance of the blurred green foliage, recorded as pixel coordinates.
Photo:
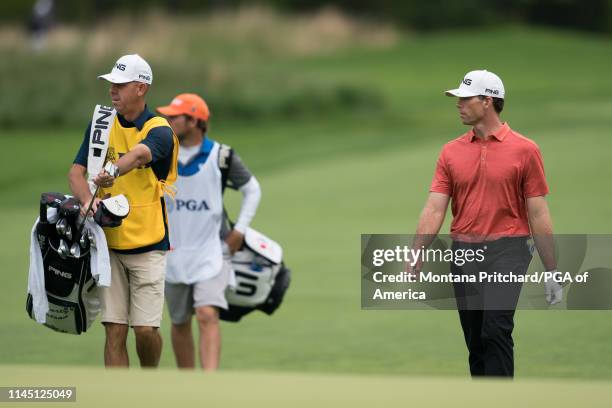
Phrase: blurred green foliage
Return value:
(66, 91)
(588, 15)
(242, 73)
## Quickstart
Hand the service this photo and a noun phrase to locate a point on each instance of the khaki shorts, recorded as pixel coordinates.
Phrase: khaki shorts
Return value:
(136, 294)
(183, 299)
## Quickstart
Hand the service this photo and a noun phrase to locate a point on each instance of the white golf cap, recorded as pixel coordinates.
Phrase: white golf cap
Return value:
(480, 82)
(130, 68)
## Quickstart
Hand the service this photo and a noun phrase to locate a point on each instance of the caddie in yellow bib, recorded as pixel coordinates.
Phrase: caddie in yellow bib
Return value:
(145, 225)
(129, 151)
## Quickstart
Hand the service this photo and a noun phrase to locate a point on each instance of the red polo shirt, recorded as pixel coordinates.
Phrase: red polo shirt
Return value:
(488, 182)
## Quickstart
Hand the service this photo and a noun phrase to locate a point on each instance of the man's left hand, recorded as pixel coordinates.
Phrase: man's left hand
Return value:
(234, 241)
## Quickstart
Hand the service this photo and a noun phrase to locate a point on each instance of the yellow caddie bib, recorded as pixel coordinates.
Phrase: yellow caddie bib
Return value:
(145, 224)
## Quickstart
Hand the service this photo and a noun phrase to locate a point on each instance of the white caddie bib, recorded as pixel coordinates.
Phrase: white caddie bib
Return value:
(194, 220)
(99, 136)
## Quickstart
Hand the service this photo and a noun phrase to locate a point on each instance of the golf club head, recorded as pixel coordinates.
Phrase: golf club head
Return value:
(61, 226)
(84, 241)
(62, 249)
(68, 232)
(52, 199)
(52, 215)
(47, 202)
(75, 250)
(91, 238)
(112, 211)
(70, 209)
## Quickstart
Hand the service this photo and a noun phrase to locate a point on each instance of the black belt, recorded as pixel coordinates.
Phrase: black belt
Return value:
(504, 242)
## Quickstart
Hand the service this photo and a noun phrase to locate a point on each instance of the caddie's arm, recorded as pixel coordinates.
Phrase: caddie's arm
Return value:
(251, 196)
(540, 224)
(77, 179)
(156, 146)
(138, 156)
(240, 178)
(77, 176)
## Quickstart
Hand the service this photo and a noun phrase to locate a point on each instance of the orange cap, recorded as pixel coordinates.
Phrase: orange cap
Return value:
(186, 104)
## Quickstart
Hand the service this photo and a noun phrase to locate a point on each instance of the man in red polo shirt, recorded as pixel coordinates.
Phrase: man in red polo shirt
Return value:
(495, 178)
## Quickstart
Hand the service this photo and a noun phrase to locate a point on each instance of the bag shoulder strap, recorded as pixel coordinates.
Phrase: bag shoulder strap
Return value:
(99, 138)
(226, 153)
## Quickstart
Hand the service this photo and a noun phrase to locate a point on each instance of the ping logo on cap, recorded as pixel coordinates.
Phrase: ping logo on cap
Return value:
(129, 68)
(479, 82)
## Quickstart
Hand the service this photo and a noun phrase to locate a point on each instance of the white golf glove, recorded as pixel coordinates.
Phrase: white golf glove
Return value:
(553, 290)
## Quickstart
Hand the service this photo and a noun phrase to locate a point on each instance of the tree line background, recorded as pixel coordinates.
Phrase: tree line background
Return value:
(585, 15)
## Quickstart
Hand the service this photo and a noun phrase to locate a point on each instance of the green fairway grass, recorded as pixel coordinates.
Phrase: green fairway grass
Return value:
(96, 387)
(326, 179)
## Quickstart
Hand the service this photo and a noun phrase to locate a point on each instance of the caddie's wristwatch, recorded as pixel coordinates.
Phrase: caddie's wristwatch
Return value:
(111, 169)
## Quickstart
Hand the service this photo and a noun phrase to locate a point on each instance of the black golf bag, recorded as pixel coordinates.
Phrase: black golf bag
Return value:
(70, 288)
(261, 278)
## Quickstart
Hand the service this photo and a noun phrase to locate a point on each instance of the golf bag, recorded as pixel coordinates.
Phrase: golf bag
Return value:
(70, 288)
(261, 275)
(261, 278)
